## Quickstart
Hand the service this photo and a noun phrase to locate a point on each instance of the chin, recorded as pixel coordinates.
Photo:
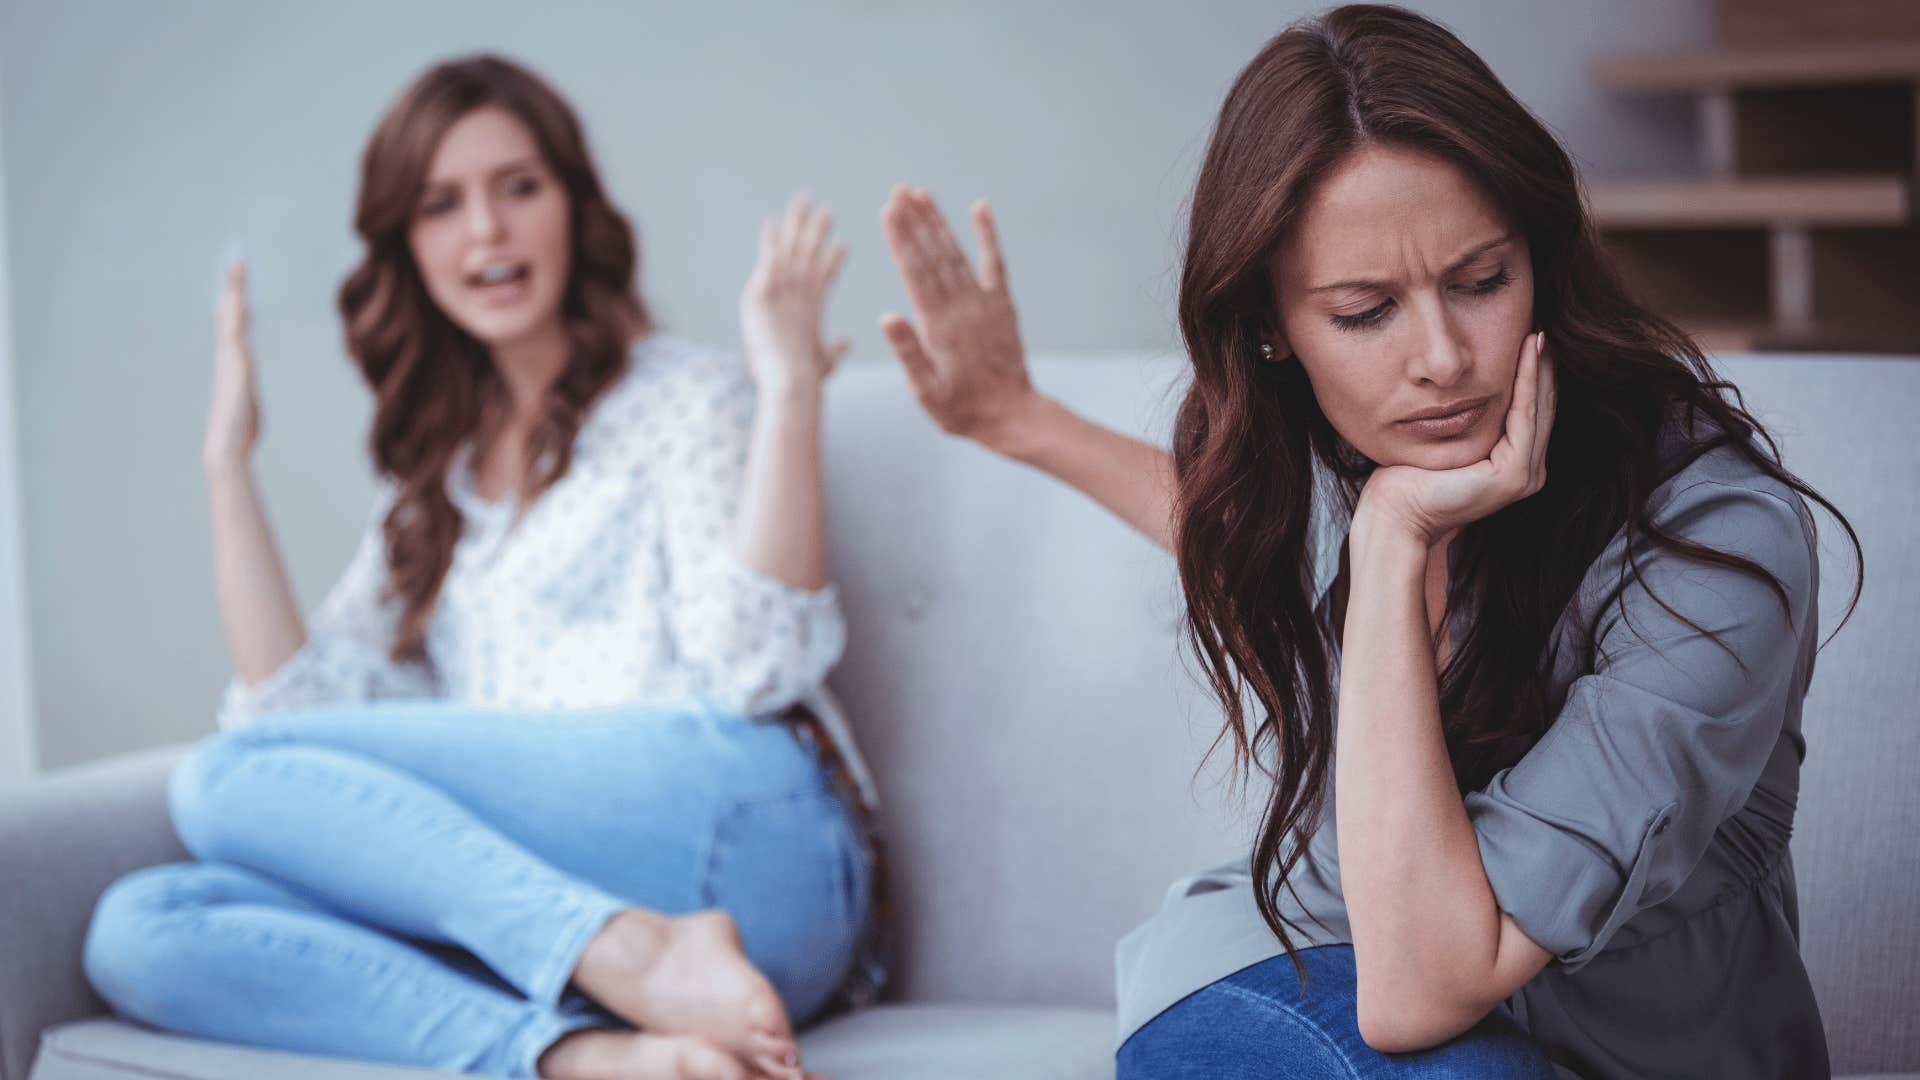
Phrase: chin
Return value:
(497, 328)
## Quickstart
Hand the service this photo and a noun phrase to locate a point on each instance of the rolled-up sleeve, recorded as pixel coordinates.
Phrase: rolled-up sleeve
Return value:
(752, 643)
(1665, 739)
(346, 653)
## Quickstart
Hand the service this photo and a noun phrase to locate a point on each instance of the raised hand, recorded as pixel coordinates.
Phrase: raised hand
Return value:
(784, 301)
(962, 352)
(233, 415)
(1431, 503)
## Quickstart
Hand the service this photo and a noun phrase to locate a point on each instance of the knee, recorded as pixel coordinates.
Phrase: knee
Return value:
(1226, 1032)
(133, 936)
(198, 799)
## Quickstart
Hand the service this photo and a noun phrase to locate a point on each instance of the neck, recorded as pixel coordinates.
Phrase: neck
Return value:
(529, 365)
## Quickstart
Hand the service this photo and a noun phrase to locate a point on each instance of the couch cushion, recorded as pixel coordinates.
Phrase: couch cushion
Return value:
(962, 1042)
(118, 1050)
(890, 1042)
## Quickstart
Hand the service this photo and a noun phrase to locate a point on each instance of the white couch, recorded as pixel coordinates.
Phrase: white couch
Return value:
(1015, 678)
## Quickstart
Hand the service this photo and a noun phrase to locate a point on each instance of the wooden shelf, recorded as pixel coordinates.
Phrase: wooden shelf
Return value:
(1772, 66)
(1799, 231)
(1759, 202)
(1724, 337)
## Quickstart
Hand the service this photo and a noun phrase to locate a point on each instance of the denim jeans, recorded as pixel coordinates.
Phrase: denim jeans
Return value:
(1258, 1024)
(414, 883)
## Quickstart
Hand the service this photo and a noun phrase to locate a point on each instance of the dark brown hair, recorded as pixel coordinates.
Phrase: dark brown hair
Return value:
(1250, 438)
(434, 385)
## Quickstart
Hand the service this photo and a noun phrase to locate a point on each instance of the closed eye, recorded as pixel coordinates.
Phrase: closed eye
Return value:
(1493, 283)
(1365, 318)
(1485, 286)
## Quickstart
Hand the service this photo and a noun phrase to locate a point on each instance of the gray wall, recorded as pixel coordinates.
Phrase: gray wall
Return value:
(17, 756)
(145, 139)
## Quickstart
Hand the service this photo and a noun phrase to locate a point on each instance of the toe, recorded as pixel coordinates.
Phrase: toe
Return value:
(701, 1061)
(765, 1015)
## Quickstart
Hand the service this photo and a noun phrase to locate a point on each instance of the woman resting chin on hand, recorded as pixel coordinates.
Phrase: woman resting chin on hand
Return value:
(1566, 639)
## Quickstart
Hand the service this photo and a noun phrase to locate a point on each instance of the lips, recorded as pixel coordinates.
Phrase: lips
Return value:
(1449, 425)
(500, 284)
(496, 275)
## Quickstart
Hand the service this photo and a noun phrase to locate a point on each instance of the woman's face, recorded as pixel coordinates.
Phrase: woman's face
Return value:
(1403, 290)
(490, 232)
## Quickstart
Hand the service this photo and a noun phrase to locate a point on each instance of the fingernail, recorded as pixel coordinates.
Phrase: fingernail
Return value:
(790, 1059)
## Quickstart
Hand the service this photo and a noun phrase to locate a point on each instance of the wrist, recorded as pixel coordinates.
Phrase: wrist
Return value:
(789, 394)
(1376, 537)
(1021, 432)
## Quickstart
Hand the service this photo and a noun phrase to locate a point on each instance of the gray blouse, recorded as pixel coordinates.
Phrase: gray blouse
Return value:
(1642, 840)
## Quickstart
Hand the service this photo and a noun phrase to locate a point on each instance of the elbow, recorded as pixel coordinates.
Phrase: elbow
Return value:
(1412, 1019)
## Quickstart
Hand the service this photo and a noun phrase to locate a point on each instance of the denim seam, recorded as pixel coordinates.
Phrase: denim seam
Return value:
(550, 978)
(1297, 1017)
(539, 1036)
(196, 919)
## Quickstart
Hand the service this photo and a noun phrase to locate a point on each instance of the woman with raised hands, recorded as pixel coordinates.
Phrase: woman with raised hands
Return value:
(1499, 587)
(548, 784)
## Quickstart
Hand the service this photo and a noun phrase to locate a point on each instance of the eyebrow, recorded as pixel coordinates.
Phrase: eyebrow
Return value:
(527, 162)
(1473, 253)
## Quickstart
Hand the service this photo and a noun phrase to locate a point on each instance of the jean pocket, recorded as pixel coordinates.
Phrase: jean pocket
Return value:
(789, 871)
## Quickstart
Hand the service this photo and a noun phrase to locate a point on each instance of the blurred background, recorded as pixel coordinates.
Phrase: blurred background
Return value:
(1752, 162)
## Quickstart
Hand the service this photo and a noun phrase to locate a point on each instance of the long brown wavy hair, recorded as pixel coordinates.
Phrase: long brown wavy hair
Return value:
(1250, 438)
(434, 385)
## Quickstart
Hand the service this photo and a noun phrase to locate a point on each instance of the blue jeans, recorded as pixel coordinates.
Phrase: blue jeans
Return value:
(414, 883)
(1258, 1023)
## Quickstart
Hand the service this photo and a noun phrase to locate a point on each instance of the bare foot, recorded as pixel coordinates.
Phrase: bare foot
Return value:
(689, 976)
(601, 1054)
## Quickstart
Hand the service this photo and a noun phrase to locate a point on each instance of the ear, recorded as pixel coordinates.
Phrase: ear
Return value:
(1282, 352)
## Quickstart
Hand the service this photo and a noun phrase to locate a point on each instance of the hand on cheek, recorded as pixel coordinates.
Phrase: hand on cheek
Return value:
(1430, 504)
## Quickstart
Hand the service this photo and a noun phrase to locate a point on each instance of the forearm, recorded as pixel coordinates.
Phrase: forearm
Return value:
(1426, 928)
(258, 610)
(782, 526)
(1132, 479)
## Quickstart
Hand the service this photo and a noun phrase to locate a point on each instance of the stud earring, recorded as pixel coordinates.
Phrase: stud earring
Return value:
(1266, 349)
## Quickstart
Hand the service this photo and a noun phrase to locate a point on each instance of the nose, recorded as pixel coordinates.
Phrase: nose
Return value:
(483, 219)
(1439, 354)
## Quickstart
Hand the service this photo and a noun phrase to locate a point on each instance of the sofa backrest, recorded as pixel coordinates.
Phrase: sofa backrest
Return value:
(1850, 427)
(1016, 678)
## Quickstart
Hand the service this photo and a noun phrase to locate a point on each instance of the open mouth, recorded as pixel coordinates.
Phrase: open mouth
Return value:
(504, 280)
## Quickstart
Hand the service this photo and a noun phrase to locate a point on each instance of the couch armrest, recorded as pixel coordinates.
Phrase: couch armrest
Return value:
(64, 837)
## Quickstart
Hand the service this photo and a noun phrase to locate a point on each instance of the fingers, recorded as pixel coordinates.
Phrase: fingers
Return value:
(993, 266)
(813, 234)
(948, 259)
(1546, 401)
(899, 223)
(793, 225)
(906, 344)
(230, 314)
(1529, 415)
(775, 1057)
(831, 259)
(800, 241)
